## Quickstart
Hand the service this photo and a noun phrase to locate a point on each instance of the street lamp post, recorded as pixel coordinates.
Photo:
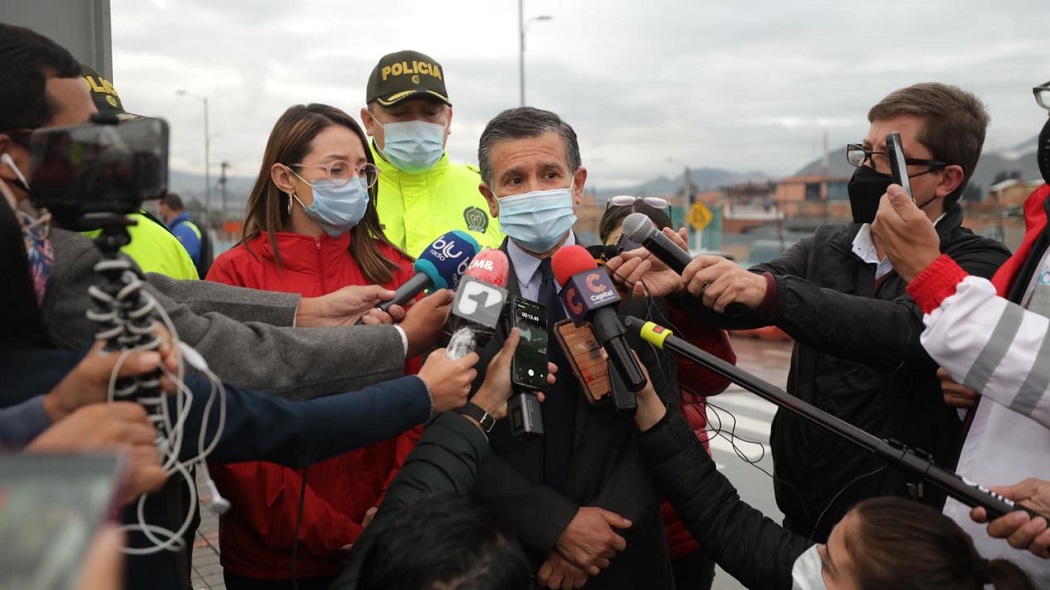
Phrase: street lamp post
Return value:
(207, 151)
(522, 25)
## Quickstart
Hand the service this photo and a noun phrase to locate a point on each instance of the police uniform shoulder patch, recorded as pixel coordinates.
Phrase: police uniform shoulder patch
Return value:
(476, 219)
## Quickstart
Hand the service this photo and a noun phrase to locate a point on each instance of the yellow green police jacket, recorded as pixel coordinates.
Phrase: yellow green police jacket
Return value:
(417, 208)
(154, 249)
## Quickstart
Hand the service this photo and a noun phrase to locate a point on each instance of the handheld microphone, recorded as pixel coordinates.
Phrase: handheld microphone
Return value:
(440, 266)
(589, 294)
(479, 302)
(637, 227)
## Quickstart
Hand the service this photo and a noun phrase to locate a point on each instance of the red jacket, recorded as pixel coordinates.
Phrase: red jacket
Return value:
(256, 535)
(695, 383)
(1035, 219)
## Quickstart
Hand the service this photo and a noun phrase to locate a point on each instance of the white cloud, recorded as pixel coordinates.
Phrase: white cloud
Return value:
(649, 86)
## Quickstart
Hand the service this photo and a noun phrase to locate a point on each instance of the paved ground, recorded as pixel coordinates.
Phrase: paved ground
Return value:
(744, 430)
(207, 573)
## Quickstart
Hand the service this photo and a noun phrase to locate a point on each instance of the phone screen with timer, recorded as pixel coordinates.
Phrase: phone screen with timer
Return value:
(528, 368)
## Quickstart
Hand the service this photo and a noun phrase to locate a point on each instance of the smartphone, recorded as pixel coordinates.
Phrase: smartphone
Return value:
(587, 358)
(51, 505)
(898, 165)
(83, 170)
(528, 368)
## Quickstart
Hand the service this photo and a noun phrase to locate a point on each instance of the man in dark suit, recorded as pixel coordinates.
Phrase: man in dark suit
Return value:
(579, 498)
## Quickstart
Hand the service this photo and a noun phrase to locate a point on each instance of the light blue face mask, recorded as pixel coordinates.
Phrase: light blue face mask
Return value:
(537, 220)
(413, 146)
(336, 209)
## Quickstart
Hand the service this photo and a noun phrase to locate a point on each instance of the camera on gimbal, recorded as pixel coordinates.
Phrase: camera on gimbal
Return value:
(93, 175)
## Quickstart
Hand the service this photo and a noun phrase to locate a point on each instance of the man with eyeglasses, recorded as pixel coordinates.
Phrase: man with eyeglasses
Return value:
(992, 337)
(857, 352)
(422, 194)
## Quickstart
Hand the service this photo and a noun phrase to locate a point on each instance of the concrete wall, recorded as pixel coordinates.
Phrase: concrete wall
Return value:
(81, 26)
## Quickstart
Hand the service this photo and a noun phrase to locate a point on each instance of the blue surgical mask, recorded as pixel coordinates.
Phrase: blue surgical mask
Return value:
(413, 146)
(537, 220)
(336, 209)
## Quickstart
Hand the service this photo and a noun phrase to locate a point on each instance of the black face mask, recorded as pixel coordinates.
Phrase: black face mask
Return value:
(1043, 153)
(865, 189)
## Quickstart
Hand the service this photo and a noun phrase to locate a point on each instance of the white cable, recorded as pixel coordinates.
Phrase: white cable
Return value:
(130, 330)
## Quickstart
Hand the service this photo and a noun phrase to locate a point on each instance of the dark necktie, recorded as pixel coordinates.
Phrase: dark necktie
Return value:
(559, 408)
(549, 295)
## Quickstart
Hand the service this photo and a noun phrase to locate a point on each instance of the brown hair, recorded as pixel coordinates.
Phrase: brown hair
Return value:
(954, 124)
(906, 545)
(291, 139)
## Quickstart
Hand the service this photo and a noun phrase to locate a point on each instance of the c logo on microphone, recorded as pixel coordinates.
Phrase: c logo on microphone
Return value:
(594, 283)
(573, 302)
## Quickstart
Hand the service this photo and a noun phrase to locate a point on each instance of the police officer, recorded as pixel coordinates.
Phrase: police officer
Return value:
(421, 193)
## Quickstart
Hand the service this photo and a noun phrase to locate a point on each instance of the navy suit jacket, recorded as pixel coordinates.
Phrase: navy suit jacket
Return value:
(606, 470)
(258, 428)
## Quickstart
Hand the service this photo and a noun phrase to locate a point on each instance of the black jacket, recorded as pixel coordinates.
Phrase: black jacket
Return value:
(605, 471)
(445, 459)
(857, 355)
(747, 545)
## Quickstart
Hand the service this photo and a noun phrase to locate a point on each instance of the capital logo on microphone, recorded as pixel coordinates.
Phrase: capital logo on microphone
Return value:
(598, 284)
(594, 283)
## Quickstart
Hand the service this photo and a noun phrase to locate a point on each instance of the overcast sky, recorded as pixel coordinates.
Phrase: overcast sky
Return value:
(649, 85)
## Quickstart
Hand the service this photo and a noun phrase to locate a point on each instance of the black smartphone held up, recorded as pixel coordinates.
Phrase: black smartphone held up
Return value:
(898, 165)
(528, 368)
(50, 508)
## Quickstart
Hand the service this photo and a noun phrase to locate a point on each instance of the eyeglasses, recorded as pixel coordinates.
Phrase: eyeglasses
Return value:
(628, 200)
(857, 156)
(340, 172)
(1042, 95)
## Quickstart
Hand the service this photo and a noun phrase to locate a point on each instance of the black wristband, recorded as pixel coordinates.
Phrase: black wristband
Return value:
(484, 418)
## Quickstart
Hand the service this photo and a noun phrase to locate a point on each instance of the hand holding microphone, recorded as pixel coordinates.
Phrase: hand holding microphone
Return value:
(479, 302)
(424, 321)
(589, 294)
(722, 284)
(448, 380)
(440, 266)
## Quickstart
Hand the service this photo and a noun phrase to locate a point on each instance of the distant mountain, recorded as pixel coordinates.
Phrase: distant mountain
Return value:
(702, 179)
(1016, 152)
(1019, 158)
(190, 186)
(838, 167)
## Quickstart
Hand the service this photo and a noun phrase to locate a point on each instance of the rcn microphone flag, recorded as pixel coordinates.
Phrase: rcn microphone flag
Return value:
(481, 294)
(440, 266)
(478, 305)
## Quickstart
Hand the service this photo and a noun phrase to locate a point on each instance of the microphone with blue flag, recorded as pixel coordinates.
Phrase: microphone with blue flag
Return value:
(440, 266)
